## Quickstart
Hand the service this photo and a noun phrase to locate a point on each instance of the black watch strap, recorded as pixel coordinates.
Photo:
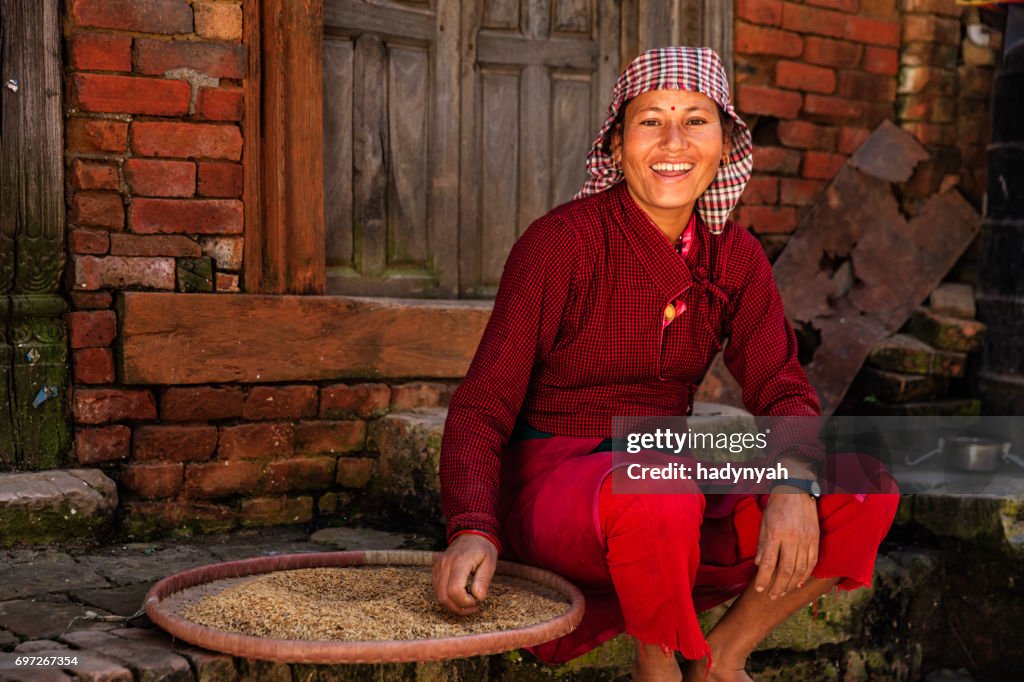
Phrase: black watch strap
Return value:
(812, 488)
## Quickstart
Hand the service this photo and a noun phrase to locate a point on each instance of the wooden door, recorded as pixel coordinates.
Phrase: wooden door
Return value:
(391, 146)
(536, 78)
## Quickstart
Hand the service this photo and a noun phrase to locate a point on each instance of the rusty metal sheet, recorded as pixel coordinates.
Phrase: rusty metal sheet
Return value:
(857, 266)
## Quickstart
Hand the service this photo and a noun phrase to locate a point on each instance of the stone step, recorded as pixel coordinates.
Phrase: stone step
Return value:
(896, 387)
(956, 300)
(931, 408)
(59, 505)
(947, 333)
(910, 355)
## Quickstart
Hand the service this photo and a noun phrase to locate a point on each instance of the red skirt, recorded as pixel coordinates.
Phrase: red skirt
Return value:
(648, 563)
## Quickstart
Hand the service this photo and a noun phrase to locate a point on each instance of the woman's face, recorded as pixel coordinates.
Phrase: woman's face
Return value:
(669, 149)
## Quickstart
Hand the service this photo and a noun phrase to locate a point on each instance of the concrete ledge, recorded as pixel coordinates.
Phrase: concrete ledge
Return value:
(59, 505)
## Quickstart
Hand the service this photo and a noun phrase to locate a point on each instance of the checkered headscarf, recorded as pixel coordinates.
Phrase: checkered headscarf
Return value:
(695, 69)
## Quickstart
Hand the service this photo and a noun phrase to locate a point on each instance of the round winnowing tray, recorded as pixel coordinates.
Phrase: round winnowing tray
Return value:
(170, 598)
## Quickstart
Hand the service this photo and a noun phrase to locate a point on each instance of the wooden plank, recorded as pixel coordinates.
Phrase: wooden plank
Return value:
(498, 182)
(535, 147)
(444, 149)
(655, 25)
(608, 24)
(292, 153)
(572, 16)
(570, 104)
(353, 17)
(370, 144)
(408, 182)
(338, 152)
(210, 338)
(500, 14)
(252, 133)
(469, 160)
(565, 53)
(537, 19)
(395, 285)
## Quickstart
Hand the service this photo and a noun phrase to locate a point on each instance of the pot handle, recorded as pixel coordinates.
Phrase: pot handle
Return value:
(909, 461)
(1015, 459)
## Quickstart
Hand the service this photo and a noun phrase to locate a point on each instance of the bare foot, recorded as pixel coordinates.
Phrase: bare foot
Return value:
(693, 671)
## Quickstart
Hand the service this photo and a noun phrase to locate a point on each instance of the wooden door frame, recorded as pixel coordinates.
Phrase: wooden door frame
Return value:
(283, 156)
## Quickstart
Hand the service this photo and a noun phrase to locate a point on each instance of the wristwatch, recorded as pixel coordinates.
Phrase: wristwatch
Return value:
(808, 486)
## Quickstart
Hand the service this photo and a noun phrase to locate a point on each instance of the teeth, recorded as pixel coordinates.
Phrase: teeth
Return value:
(672, 166)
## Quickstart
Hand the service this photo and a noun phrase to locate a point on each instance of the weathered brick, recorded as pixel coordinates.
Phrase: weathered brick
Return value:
(325, 436)
(104, 405)
(755, 99)
(226, 282)
(873, 31)
(97, 209)
(929, 107)
(95, 242)
(433, 394)
(93, 366)
(876, 112)
(218, 20)
(174, 443)
(930, 29)
(146, 16)
(190, 216)
(832, 52)
(220, 104)
(355, 472)
(256, 441)
(280, 402)
(364, 400)
(107, 444)
(157, 57)
(882, 60)
(907, 354)
(225, 251)
(931, 134)
(799, 192)
(761, 189)
(116, 272)
(769, 219)
(821, 165)
(946, 332)
(91, 300)
(776, 160)
(866, 86)
(143, 519)
(917, 79)
(803, 135)
(944, 7)
(154, 481)
(301, 473)
(930, 54)
(85, 135)
(956, 300)
(834, 107)
(765, 12)
(130, 95)
(91, 329)
(800, 76)
(93, 175)
(975, 81)
(187, 140)
(842, 5)
(222, 478)
(804, 19)
(220, 179)
(752, 39)
(100, 52)
(978, 55)
(879, 8)
(152, 178)
(201, 403)
(173, 245)
(270, 511)
(894, 387)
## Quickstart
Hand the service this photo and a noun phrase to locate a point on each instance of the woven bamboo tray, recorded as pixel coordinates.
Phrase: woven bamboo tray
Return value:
(161, 610)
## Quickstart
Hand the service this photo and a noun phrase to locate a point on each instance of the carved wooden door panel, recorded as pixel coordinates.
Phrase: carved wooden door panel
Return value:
(391, 146)
(536, 78)
(34, 429)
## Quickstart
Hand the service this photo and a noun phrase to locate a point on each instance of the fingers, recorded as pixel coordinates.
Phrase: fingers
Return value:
(784, 571)
(766, 565)
(482, 579)
(451, 573)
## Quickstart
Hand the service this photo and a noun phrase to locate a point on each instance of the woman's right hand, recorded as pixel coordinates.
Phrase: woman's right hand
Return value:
(467, 554)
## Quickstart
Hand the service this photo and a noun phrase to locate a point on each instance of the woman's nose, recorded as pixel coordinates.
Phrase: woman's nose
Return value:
(675, 136)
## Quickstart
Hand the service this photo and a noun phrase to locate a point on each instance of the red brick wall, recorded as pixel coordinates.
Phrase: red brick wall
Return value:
(814, 78)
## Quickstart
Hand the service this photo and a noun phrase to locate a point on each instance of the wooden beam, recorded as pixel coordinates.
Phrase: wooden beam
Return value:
(252, 261)
(168, 338)
(291, 228)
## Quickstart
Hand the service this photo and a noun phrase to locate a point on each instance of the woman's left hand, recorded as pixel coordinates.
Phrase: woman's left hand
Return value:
(787, 548)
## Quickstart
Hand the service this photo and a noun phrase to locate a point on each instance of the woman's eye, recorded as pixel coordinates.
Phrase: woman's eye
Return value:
(696, 121)
(649, 122)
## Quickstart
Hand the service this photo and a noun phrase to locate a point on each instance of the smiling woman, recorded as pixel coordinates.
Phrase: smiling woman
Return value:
(598, 316)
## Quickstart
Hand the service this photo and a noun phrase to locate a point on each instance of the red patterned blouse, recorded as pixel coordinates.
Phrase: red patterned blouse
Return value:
(578, 335)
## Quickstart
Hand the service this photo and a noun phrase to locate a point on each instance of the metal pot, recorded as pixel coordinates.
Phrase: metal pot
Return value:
(971, 453)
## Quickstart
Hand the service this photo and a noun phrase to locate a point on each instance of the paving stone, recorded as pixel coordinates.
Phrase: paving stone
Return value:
(46, 617)
(30, 646)
(27, 573)
(149, 662)
(251, 670)
(209, 666)
(122, 601)
(360, 538)
(129, 564)
(409, 443)
(90, 666)
(50, 506)
(257, 542)
(30, 674)
(8, 640)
